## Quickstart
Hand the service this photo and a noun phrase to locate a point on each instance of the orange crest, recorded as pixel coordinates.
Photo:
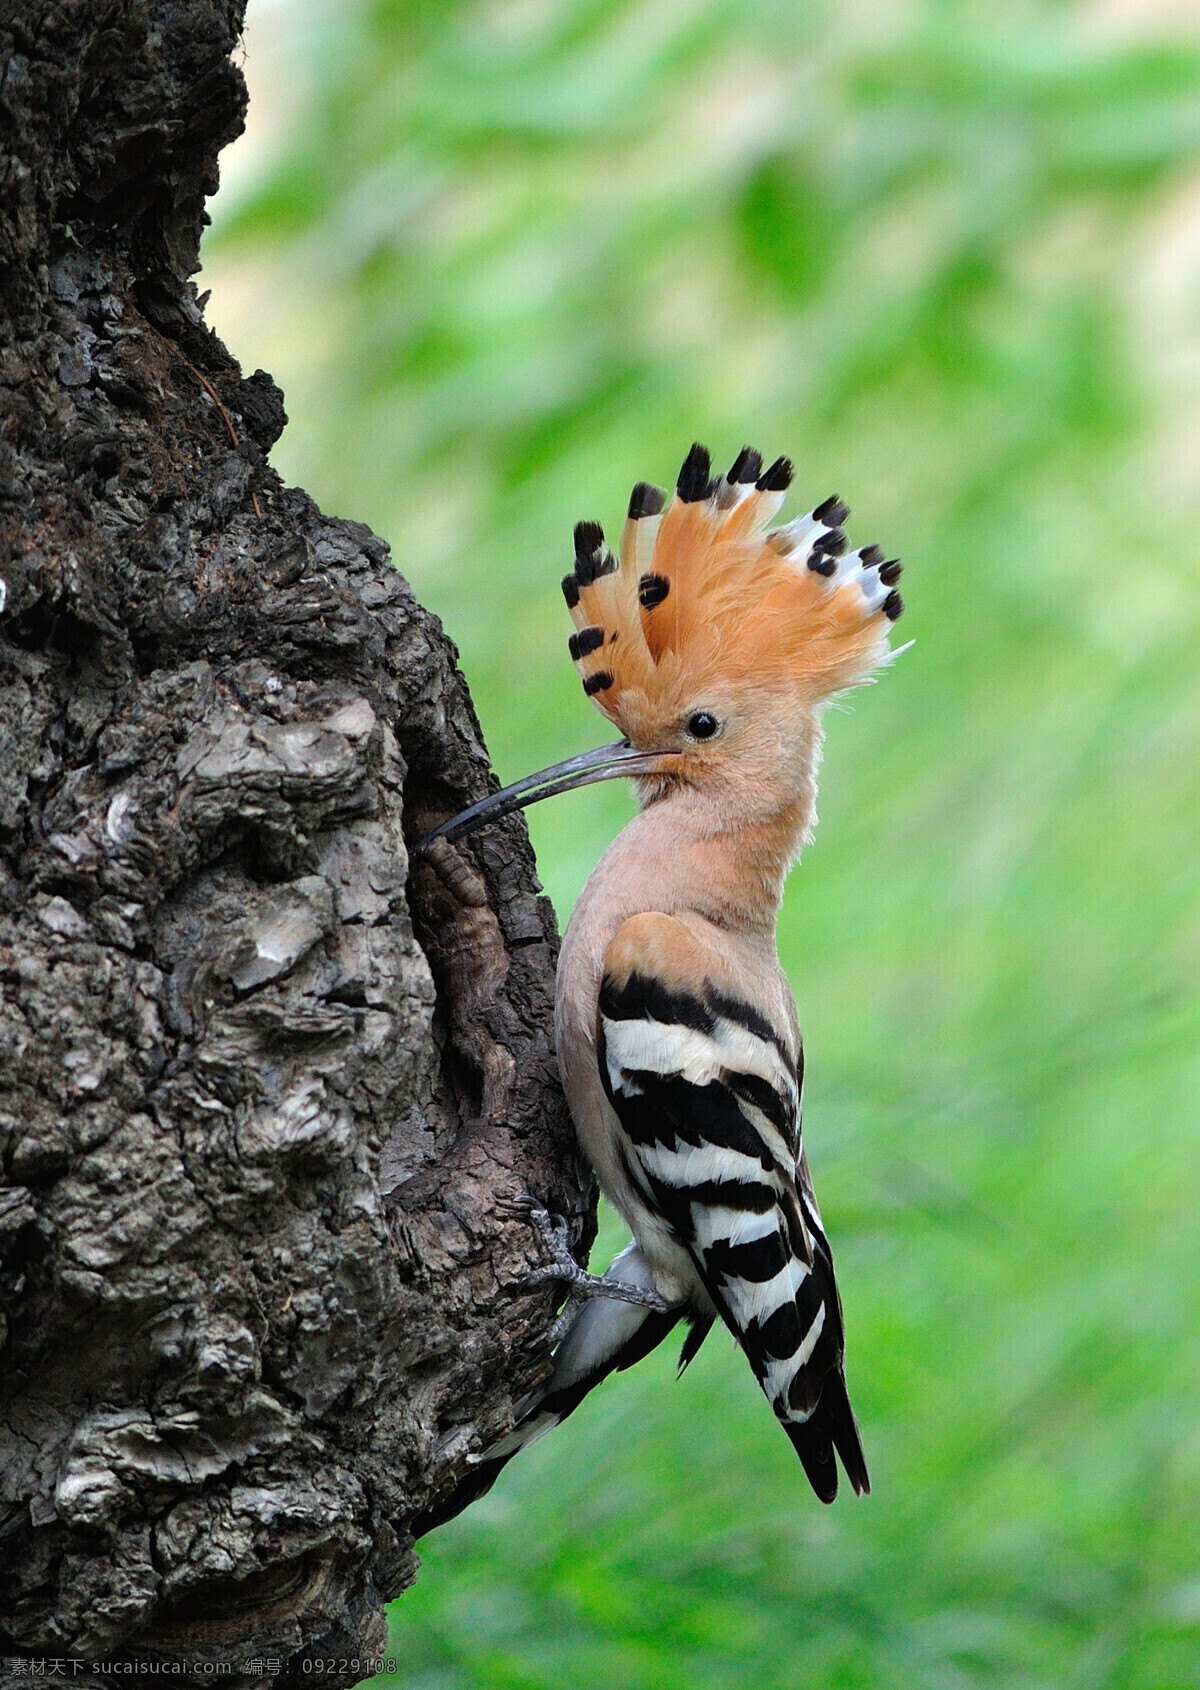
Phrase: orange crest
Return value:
(705, 590)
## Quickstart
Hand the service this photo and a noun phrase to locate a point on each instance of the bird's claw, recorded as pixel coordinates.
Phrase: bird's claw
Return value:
(554, 1234)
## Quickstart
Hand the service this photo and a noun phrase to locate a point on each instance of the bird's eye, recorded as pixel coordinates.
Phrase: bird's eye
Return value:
(703, 725)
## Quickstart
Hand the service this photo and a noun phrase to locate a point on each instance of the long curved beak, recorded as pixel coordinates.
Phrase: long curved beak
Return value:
(606, 762)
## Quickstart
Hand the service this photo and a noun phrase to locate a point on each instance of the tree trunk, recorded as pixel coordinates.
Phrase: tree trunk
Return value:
(265, 1087)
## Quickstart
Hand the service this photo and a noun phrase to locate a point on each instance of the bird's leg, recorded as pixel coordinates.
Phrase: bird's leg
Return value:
(552, 1231)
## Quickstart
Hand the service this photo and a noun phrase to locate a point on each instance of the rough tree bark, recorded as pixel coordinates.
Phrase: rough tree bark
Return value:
(264, 1085)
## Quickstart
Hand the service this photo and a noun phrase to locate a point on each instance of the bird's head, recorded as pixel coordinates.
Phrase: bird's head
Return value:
(712, 640)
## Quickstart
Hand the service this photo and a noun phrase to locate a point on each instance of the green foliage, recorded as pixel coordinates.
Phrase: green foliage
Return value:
(939, 253)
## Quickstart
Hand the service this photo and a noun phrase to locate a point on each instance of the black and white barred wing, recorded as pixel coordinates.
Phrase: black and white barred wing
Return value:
(706, 1091)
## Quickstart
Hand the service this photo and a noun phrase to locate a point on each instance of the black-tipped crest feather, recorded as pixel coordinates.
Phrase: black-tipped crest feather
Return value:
(831, 511)
(778, 478)
(589, 537)
(646, 500)
(746, 467)
(585, 642)
(695, 481)
(834, 543)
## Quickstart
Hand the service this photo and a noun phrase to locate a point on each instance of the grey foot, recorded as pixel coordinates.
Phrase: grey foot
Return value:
(553, 1233)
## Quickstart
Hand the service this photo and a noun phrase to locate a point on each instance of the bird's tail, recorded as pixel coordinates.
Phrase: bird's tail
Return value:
(831, 1426)
(605, 1337)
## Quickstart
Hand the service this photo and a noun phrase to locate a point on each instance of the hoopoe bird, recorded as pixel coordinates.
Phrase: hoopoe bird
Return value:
(711, 643)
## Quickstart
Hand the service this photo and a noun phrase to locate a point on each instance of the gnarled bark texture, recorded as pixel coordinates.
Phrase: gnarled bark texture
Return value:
(264, 1084)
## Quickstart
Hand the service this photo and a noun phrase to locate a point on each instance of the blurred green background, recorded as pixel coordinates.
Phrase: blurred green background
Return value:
(507, 257)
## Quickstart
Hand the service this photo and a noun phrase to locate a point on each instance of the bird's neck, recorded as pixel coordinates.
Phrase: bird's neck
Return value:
(711, 854)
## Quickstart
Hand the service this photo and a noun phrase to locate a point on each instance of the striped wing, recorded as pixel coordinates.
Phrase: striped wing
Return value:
(708, 1097)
